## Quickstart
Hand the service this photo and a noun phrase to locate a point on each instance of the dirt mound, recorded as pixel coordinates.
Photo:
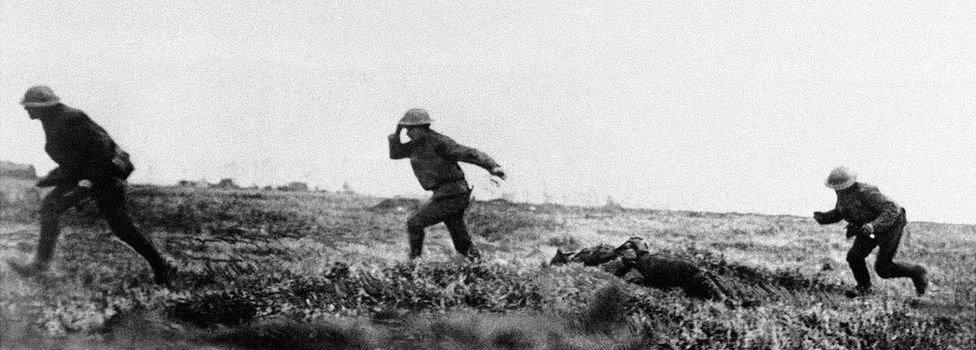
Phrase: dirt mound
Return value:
(396, 204)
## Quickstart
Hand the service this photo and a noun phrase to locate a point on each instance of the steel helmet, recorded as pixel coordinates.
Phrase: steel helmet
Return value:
(840, 178)
(415, 116)
(40, 96)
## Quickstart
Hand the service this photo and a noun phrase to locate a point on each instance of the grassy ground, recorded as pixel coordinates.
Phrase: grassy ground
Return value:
(326, 270)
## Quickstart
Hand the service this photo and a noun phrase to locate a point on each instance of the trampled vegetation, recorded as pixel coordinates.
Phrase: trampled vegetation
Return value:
(267, 269)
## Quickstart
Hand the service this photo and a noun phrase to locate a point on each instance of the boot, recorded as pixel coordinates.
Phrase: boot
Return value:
(921, 280)
(27, 270)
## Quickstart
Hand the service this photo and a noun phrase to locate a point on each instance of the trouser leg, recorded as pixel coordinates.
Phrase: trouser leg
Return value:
(459, 230)
(448, 210)
(885, 265)
(416, 233)
(855, 258)
(459, 233)
(111, 203)
(54, 204)
(427, 215)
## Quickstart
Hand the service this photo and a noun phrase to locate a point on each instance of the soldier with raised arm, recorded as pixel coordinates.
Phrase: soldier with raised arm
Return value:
(875, 221)
(434, 159)
(90, 164)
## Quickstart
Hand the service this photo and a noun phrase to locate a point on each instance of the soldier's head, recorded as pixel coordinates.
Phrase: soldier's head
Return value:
(40, 101)
(632, 248)
(841, 179)
(417, 122)
(418, 132)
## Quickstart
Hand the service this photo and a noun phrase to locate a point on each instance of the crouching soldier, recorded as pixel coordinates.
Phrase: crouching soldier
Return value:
(90, 164)
(664, 271)
(434, 159)
(875, 221)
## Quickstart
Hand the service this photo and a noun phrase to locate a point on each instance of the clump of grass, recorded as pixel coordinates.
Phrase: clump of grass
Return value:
(567, 243)
(496, 223)
(227, 308)
(606, 310)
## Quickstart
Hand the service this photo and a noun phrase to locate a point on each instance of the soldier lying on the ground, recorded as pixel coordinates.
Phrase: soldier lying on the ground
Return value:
(658, 270)
(592, 256)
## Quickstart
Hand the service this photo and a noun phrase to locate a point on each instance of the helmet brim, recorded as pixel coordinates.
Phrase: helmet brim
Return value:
(841, 186)
(27, 104)
(413, 123)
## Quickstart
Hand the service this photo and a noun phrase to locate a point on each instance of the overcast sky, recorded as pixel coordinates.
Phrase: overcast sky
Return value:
(716, 106)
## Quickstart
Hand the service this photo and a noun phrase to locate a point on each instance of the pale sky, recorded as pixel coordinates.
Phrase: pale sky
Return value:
(715, 106)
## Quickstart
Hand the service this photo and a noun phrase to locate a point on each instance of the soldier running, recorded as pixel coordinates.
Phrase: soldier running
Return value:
(90, 164)
(875, 221)
(434, 158)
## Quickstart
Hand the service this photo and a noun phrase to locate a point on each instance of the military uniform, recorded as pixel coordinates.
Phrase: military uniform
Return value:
(84, 151)
(434, 160)
(875, 221)
(660, 270)
(593, 256)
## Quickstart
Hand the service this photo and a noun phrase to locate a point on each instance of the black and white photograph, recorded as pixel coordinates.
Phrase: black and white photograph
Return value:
(550, 175)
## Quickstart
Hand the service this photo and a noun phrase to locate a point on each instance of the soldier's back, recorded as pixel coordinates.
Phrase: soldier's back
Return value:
(662, 270)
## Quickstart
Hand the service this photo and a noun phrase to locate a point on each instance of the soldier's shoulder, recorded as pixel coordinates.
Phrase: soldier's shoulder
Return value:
(867, 188)
(434, 135)
(73, 115)
(439, 139)
(871, 191)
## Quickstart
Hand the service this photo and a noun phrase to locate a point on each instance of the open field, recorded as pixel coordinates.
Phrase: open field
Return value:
(267, 269)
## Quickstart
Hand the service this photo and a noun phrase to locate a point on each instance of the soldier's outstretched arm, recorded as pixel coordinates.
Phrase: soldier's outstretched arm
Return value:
(461, 153)
(828, 217)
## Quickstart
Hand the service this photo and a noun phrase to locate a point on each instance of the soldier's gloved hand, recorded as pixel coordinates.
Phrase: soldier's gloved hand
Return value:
(85, 183)
(819, 217)
(498, 171)
(867, 230)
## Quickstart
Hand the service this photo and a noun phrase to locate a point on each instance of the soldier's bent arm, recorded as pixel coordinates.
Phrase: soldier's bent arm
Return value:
(457, 152)
(831, 217)
(888, 211)
(398, 150)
